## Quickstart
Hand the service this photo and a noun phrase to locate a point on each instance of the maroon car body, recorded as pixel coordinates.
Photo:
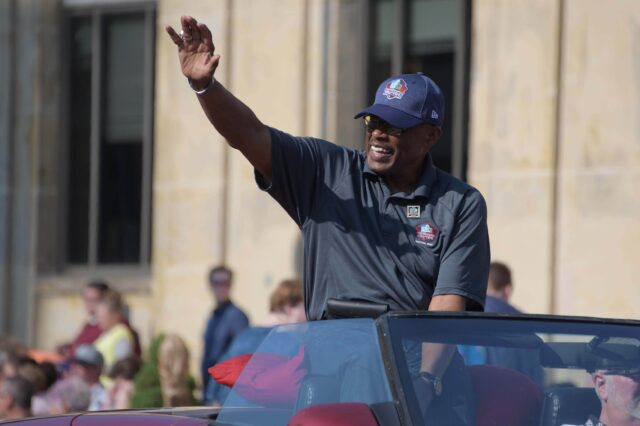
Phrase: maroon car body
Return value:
(162, 417)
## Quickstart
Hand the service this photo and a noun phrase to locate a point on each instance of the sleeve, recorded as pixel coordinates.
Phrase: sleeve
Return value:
(301, 167)
(239, 324)
(464, 268)
(123, 347)
(204, 365)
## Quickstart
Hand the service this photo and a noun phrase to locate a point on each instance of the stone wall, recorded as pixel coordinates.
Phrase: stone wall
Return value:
(598, 242)
(554, 131)
(554, 147)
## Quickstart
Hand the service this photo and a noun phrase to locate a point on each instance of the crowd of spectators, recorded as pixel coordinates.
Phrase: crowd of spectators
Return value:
(99, 369)
(104, 368)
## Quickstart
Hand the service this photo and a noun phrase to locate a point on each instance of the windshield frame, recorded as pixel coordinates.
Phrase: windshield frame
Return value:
(400, 377)
(393, 372)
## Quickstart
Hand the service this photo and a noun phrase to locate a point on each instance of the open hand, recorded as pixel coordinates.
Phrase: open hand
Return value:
(195, 51)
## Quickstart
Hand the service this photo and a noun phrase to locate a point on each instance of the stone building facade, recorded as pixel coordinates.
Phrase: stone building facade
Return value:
(543, 117)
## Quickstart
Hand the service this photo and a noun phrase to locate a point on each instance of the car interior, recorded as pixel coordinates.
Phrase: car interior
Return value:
(507, 394)
(504, 396)
(521, 373)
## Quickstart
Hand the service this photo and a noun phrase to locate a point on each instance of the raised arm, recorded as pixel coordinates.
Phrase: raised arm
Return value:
(231, 118)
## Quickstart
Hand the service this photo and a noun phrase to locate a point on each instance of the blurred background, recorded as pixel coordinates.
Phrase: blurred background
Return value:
(109, 169)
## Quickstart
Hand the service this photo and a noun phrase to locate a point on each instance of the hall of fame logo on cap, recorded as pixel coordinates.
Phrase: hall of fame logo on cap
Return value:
(413, 212)
(426, 234)
(395, 89)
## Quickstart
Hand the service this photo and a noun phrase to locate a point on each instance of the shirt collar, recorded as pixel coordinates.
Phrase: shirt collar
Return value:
(222, 306)
(425, 182)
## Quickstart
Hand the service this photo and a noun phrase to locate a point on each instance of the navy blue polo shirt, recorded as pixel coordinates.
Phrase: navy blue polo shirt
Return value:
(364, 243)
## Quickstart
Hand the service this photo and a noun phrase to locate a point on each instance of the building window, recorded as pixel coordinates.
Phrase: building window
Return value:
(431, 36)
(110, 122)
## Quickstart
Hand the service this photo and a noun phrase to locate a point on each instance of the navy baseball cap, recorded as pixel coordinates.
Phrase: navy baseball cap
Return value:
(614, 355)
(408, 100)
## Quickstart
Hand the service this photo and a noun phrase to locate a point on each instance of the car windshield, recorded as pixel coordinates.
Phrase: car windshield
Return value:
(526, 371)
(500, 370)
(301, 365)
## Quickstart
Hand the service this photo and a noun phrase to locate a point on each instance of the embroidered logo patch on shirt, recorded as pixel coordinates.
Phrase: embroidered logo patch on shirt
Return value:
(395, 89)
(426, 233)
(413, 211)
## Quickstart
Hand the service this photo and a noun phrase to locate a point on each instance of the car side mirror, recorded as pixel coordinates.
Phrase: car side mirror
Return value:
(338, 414)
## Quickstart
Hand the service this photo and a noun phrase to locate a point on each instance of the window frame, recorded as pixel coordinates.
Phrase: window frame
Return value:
(98, 11)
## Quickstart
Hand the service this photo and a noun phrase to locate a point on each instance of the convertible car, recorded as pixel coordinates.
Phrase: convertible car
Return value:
(532, 370)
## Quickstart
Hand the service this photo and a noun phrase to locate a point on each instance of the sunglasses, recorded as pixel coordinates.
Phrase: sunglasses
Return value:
(372, 123)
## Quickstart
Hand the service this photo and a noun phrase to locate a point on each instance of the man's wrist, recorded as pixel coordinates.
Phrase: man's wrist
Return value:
(433, 380)
(200, 88)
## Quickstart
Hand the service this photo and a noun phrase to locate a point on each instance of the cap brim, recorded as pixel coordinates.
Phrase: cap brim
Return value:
(392, 116)
(83, 362)
(623, 371)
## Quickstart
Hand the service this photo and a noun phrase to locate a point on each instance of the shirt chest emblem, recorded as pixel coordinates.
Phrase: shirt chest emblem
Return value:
(426, 233)
(413, 212)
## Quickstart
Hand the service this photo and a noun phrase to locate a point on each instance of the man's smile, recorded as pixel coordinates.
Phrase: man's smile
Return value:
(380, 152)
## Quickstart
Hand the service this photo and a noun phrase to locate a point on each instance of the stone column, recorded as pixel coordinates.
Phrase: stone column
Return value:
(512, 137)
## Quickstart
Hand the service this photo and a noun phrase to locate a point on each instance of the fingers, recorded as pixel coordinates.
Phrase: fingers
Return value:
(190, 29)
(207, 39)
(195, 31)
(174, 36)
(186, 28)
(211, 63)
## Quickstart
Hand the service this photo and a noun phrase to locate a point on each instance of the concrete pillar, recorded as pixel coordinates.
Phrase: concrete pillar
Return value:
(599, 161)
(28, 113)
(512, 137)
(7, 74)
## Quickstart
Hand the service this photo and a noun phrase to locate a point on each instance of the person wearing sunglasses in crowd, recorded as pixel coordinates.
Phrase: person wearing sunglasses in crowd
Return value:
(382, 226)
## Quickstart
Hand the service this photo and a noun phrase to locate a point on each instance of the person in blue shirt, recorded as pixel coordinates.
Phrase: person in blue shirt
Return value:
(382, 226)
(224, 324)
(285, 307)
(499, 290)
